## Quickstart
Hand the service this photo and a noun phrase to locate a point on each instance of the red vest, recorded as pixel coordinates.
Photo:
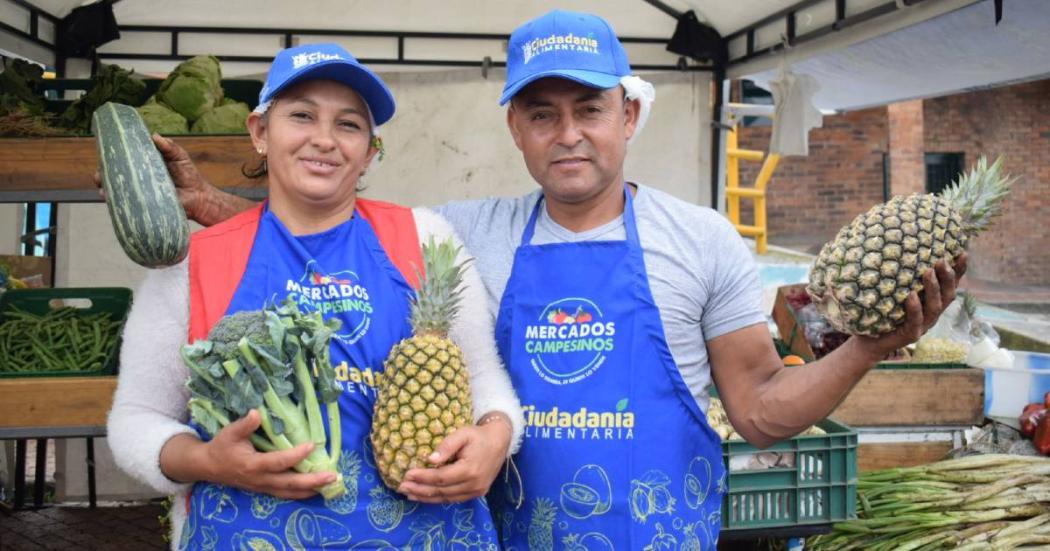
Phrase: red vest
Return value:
(219, 256)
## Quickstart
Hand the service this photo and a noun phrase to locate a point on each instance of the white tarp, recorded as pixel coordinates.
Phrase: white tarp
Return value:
(957, 51)
(628, 17)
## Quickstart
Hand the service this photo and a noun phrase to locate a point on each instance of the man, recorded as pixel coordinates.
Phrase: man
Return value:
(616, 306)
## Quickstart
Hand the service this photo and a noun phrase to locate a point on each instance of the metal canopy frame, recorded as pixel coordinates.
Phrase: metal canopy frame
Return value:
(400, 36)
(287, 34)
(35, 14)
(785, 17)
(789, 35)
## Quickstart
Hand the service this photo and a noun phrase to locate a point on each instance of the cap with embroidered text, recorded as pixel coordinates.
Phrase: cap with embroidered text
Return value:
(564, 44)
(328, 61)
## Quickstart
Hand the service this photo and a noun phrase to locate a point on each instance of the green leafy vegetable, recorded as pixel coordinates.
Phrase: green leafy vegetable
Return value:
(277, 361)
(160, 119)
(61, 340)
(228, 118)
(193, 88)
(112, 83)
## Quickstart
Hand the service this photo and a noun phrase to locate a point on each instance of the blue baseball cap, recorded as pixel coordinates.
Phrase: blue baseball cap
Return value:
(565, 44)
(328, 61)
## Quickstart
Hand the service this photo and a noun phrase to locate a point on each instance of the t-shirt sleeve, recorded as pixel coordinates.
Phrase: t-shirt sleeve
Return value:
(735, 297)
(464, 216)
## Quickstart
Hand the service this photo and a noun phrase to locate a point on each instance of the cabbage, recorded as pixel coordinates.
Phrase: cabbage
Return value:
(162, 120)
(193, 88)
(228, 118)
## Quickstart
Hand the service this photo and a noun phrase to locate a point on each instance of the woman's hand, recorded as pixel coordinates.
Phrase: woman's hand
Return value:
(465, 463)
(230, 459)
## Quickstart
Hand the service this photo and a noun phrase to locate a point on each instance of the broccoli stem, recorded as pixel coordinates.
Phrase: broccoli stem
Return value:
(335, 426)
(198, 369)
(313, 408)
(295, 425)
(278, 441)
(262, 444)
(209, 408)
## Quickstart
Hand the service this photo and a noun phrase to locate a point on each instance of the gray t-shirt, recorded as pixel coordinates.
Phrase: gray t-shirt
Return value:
(701, 274)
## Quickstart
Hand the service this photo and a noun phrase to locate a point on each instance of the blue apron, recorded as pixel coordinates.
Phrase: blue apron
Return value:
(617, 454)
(343, 272)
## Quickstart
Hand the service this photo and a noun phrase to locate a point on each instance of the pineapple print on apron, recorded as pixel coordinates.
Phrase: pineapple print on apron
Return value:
(343, 272)
(617, 454)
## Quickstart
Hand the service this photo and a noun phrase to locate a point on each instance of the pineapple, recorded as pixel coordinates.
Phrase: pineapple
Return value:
(861, 279)
(424, 393)
(541, 527)
(350, 467)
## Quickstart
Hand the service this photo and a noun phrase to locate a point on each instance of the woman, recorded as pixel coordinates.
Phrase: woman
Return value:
(315, 130)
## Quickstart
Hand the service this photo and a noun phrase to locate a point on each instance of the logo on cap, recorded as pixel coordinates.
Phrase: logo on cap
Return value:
(568, 42)
(309, 58)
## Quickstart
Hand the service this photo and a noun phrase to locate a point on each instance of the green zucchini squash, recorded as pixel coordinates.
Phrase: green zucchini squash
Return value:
(147, 217)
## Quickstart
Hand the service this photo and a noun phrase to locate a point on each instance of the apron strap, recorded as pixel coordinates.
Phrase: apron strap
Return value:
(530, 227)
(630, 225)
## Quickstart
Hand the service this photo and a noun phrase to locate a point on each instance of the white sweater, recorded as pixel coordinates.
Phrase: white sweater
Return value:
(149, 406)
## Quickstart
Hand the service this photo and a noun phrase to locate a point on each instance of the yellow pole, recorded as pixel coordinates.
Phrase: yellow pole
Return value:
(764, 175)
(732, 179)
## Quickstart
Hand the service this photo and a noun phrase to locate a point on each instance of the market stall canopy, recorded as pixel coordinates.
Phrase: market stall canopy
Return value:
(406, 24)
(961, 50)
(628, 17)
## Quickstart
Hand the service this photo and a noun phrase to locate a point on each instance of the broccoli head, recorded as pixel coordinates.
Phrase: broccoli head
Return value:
(229, 330)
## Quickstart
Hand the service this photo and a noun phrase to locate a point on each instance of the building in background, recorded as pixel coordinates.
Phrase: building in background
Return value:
(860, 158)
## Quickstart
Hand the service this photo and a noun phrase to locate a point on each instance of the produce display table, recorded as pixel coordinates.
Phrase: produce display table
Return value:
(60, 169)
(53, 407)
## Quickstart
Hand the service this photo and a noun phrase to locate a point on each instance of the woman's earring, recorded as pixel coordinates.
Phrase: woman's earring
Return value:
(377, 143)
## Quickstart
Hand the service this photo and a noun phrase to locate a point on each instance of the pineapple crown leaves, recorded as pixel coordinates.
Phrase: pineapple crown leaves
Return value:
(437, 301)
(978, 195)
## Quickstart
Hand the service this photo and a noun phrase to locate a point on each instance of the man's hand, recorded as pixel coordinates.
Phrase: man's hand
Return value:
(466, 464)
(230, 459)
(767, 402)
(938, 290)
(190, 185)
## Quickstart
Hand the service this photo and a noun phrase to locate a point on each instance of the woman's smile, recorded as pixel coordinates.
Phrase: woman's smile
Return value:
(320, 166)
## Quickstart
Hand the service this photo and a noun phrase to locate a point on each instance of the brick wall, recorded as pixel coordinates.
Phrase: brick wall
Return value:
(907, 156)
(812, 197)
(1012, 121)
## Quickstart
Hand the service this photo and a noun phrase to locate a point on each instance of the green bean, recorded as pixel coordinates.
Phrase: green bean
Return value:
(62, 339)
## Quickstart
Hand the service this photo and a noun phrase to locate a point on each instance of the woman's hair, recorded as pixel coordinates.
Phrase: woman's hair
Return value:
(259, 168)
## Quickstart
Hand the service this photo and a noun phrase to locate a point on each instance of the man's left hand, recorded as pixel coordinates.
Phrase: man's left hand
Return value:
(938, 291)
(465, 464)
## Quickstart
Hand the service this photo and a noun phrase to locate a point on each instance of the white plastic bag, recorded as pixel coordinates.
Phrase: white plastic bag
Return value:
(949, 341)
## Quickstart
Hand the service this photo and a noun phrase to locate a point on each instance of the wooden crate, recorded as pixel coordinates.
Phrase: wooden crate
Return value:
(58, 165)
(28, 266)
(895, 393)
(872, 457)
(895, 397)
(55, 401)
(787, 324)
